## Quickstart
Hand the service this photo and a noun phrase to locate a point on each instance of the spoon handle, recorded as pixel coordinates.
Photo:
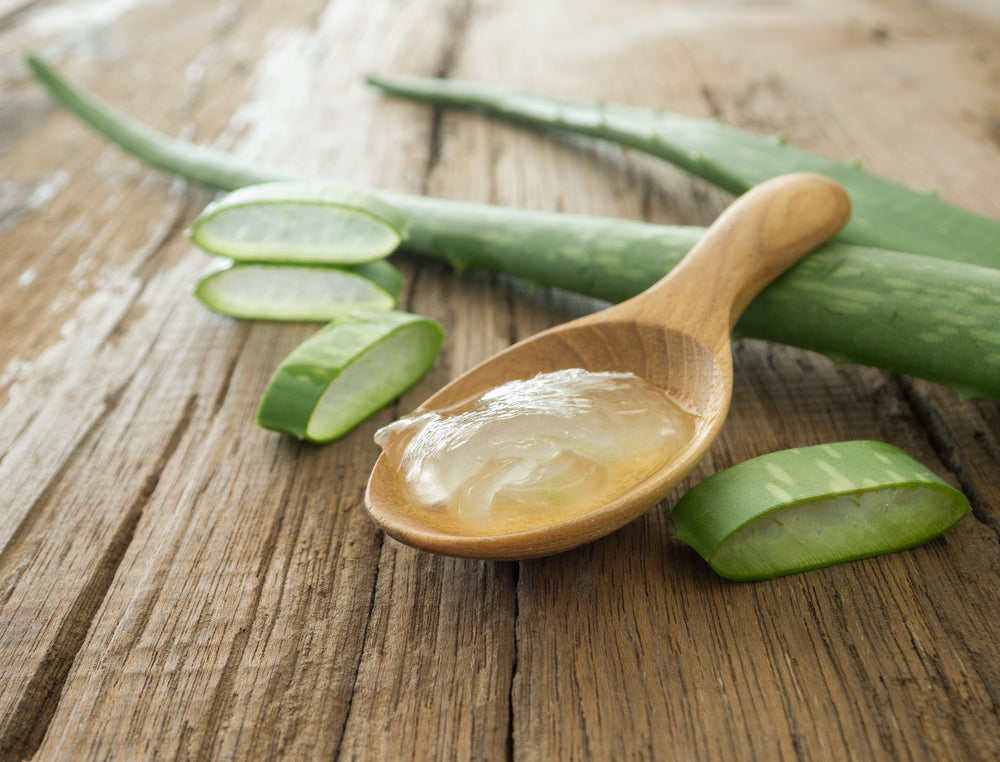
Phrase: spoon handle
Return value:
(763, 233)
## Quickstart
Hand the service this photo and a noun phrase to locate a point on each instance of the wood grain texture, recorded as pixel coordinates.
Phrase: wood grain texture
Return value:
(175, 583)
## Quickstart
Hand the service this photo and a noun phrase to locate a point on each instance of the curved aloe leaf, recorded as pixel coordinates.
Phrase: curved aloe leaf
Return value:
(930, 318)
(886, 215)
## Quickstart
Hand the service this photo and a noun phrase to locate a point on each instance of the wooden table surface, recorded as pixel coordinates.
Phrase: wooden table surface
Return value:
(177, 583)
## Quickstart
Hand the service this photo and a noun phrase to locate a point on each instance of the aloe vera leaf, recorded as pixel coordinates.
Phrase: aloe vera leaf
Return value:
(885, 215)
(943, 328)
(201, 164)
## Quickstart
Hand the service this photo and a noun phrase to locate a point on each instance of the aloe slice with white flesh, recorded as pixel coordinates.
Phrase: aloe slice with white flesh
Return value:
(811, 507)
(266, 291)
(347, 371)
(305, 222)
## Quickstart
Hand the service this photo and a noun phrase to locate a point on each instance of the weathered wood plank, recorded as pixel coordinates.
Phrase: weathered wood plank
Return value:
(175, 582)
(198, 638)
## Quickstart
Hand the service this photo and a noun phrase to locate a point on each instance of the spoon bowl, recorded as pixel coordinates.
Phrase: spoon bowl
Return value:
(675, 335)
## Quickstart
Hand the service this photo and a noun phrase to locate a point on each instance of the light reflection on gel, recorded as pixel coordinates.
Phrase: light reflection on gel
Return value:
(534, 451)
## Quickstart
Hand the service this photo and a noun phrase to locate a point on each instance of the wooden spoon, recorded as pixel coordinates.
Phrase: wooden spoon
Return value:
(675, 335)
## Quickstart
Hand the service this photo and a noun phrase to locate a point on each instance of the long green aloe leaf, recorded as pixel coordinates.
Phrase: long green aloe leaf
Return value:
(934, 319)
(885, 215)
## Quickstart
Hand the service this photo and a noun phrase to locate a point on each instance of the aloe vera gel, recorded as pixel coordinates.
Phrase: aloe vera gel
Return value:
(534, 451)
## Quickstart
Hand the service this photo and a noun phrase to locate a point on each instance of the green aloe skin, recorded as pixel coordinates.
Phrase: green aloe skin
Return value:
(924, 314)
(885, 215)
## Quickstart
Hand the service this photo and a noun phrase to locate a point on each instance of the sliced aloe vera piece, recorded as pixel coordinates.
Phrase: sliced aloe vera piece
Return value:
(810, 507)
(306, 222)
(347, 371)
(266, 291)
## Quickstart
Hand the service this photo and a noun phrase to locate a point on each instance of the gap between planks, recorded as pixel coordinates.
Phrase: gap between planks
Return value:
(30, 719)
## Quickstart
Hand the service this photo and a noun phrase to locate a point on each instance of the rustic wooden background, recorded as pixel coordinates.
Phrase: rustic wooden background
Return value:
(176, 583)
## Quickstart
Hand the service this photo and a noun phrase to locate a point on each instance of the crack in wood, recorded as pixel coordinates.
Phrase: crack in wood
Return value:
(234, 358)
(28, 723)
(708, 95)
(10, 569)
(221, 706)
(409, 294)
(14, 547)
(27, 424)
(516, 582)
(361, 651)
(194, 76)
(461, 18)
(949, 452)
